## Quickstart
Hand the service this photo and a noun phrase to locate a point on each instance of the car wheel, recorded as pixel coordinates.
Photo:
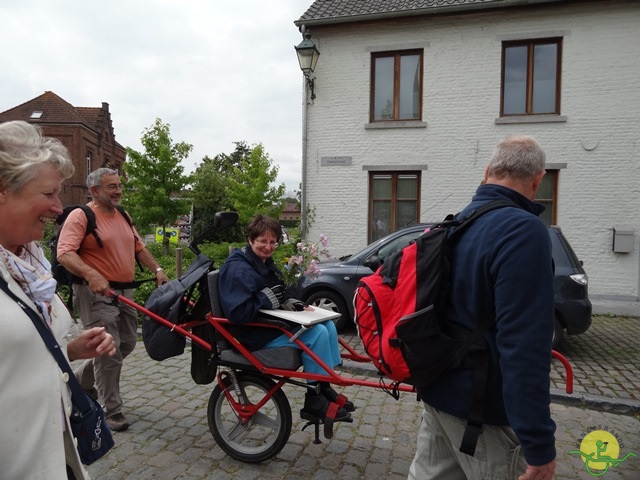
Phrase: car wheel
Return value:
(330, 301)
(558, 333)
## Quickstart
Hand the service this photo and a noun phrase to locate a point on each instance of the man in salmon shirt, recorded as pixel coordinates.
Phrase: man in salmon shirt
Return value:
(97, 269)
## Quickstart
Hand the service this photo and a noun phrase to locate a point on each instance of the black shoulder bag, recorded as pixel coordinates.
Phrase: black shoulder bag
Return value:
(88, 422)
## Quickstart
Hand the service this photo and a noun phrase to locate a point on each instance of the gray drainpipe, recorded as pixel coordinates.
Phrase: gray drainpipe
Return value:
(303, 193)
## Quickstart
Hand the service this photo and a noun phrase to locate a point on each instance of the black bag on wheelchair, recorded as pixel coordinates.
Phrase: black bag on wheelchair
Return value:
(178, 301)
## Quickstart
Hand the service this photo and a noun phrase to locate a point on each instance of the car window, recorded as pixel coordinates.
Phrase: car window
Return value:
(398, 244)
(560, 257)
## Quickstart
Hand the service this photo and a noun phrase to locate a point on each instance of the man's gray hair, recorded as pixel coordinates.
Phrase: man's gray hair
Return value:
(95, 178)
(519, 157)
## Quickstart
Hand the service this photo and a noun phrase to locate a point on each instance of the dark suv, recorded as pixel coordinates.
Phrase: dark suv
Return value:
(334, 288)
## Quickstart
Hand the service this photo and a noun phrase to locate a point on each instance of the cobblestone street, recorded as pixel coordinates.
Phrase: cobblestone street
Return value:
(169, 436)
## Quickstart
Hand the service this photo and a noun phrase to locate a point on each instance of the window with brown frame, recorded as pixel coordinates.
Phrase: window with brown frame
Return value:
(394, 199)
(531, 77)
(396, 85)
(89, 161)
(547, 195)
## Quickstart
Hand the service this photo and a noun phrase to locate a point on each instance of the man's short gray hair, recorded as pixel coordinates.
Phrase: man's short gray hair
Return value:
(95, 178)
(519, 157)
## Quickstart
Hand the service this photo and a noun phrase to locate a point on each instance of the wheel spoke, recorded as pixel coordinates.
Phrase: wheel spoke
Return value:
(236, 431)
(266, 421)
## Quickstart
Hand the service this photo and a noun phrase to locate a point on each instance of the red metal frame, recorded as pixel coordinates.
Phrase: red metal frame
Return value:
(331, 376)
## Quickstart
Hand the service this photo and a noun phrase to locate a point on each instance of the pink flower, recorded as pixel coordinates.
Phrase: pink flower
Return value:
(305, 261)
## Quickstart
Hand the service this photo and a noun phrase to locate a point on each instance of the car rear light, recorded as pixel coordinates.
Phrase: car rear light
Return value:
(580, 278)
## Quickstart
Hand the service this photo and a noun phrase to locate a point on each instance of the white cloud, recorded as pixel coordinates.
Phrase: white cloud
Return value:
(217, 71)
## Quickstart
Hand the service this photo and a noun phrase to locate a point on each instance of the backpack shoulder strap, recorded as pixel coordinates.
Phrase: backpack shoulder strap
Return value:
(124, 213)
(92, 226)
(463, 223)
(126, 216)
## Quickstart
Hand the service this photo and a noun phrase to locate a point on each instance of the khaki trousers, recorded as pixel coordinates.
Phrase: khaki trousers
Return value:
(121, 322)
(438, 456)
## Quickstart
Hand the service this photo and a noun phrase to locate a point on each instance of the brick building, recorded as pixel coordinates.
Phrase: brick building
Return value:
(291, 211)
(86, 131)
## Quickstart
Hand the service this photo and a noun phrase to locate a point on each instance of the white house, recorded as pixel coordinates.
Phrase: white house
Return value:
(411, 96)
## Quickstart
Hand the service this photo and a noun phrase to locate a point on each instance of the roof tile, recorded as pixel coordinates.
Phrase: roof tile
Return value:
(54, 110)
(346, 10)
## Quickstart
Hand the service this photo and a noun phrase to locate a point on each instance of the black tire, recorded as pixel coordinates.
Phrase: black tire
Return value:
(330, 300)
(558, 333)
(266, 433)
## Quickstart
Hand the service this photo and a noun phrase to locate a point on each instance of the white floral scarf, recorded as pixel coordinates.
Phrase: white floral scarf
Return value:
(32, 271)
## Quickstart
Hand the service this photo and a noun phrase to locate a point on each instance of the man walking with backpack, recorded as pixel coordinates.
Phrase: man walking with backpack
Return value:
(501, 269)
(99, 263)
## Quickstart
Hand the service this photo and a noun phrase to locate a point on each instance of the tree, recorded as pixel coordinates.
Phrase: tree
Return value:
(250, 186)
(155, 178)
(238, 181)
(209, 196)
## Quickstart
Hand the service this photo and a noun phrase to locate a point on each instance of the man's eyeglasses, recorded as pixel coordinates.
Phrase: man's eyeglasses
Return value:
(112, 187)
(265, 243)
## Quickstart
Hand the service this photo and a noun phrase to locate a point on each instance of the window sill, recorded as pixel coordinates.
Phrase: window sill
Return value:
(510, 120)
(395, 124)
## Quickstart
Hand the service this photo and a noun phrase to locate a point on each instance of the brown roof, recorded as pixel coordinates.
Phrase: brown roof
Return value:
(91, 115)
(54, 110)
(325, 12)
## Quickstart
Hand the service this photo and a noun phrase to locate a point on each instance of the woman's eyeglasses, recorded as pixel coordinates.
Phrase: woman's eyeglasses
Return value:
(265, 243)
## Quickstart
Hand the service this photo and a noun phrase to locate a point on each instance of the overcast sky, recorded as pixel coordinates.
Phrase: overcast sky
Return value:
(217, 71)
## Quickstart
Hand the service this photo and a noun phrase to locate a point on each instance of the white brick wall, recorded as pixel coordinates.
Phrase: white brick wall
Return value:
(600, 187)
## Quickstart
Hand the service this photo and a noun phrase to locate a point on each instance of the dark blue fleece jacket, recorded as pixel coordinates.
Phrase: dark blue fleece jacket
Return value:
(240, 281)
(502, 268)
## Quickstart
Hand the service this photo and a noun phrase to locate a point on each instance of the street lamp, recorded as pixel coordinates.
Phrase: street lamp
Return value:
(308, 58)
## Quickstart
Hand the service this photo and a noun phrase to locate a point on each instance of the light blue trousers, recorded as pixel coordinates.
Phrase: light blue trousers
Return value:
(322, 339)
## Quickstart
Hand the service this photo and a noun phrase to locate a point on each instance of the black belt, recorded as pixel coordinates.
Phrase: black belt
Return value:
(116, 285)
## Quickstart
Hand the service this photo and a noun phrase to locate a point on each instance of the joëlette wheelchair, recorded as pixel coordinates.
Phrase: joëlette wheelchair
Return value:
(249, 414)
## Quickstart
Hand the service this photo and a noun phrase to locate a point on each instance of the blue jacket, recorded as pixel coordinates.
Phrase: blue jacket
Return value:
(240, 281)
(502, 267)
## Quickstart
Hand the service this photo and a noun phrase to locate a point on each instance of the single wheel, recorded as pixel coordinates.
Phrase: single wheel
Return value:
(558, 333)
(264, 434)
(330, 300)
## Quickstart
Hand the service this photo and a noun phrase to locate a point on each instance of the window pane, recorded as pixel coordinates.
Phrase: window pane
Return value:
(381, 219)
(546, 195)
(407, 186)
(547, 214)
(383, 95)
(544, 78)
(382, 186)
(409, 87)
(406, 213)
(545, 191)
(515, 80)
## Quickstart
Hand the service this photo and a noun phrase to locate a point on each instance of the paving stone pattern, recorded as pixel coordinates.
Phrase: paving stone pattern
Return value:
(169, 436)
(605, 359)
